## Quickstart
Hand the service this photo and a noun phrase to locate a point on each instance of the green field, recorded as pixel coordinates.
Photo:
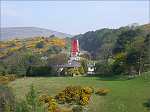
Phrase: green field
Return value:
(125, 96)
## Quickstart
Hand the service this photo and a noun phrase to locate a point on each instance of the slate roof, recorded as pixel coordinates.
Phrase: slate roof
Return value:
(69, 65)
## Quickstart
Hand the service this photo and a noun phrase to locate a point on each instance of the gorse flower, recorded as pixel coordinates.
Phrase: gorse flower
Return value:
(75, 95)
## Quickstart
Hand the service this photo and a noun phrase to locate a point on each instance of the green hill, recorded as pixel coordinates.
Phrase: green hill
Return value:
(102, 41)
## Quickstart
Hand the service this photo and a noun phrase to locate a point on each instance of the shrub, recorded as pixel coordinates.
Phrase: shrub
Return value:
(75, 95)
(6, 79)
(54, 49)
(40, 71)
(88, 90)
(40, 45)
(31, 102)
(7, 99)
(102, 91)
(103, 68)
(22, 107)
(71, 71)
(50, 102)
(147, 104)
(81, 70)
(31, 98)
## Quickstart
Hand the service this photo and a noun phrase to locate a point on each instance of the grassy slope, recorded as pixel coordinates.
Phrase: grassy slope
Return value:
(125, 95)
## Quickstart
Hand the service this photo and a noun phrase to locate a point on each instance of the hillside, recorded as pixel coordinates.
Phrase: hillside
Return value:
(36, 45)
(100, 41)
(28, 32)
(124, 50)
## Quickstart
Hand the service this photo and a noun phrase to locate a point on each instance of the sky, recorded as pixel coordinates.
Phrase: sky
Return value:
(74, 17)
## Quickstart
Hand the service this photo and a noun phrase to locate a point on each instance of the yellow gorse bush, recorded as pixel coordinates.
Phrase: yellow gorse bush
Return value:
(75, 95)
(102, 91)
(50, 102)
(7, 79)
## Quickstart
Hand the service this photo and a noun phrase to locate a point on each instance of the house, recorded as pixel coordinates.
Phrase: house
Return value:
(91, 68)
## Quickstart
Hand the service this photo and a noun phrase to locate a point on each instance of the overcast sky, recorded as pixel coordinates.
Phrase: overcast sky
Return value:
(73, 17)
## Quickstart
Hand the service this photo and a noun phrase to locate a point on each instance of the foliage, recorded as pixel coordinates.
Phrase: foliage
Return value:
(102, 45)
(22, 107)
(7, 78)
(75, 95)
(57, 59)
(76, 71)
(106, 44)
(39, 71)
(7, 99)
(119, 63)
(81, 70)
(31, 103)
(103, 68)
(84, 65)
(40, 45)
(23, 61)
(57, 42)
(54, 49)
(50, 102)
(72, 71)
(131, 52)
(31, 98)
(147, 103)
(93, 41)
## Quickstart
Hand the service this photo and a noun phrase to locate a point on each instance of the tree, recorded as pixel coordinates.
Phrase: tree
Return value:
(84, 63)
(138, 46)
(106, 52)
(57, 59)
(81, 70)
(31, 102)
(103, 68)
(23, 60)
(40, 45)
(119, 65)
(146, 54)
(125, 39)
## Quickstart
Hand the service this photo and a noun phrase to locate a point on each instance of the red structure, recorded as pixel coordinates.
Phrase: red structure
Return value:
(74, 47)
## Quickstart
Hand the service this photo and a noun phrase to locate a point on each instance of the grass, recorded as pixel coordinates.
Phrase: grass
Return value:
(125, 96)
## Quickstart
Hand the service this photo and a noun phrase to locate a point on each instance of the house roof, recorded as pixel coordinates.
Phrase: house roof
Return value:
(71, 64)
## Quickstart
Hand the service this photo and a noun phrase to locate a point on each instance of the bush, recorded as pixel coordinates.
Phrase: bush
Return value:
(75, 95)
(50, 102)
(73, 71)
(147, 104)
(103, 68)
(40, 71)
(7, 99)
(102, 91)
(6, 79)
(22, 107)
(54, 49)
(31, 103)
(40, 45)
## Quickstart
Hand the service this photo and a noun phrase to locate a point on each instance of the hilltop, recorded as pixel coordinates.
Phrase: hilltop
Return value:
(28, 32)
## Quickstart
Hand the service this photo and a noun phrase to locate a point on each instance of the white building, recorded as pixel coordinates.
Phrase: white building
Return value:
(91, 68)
